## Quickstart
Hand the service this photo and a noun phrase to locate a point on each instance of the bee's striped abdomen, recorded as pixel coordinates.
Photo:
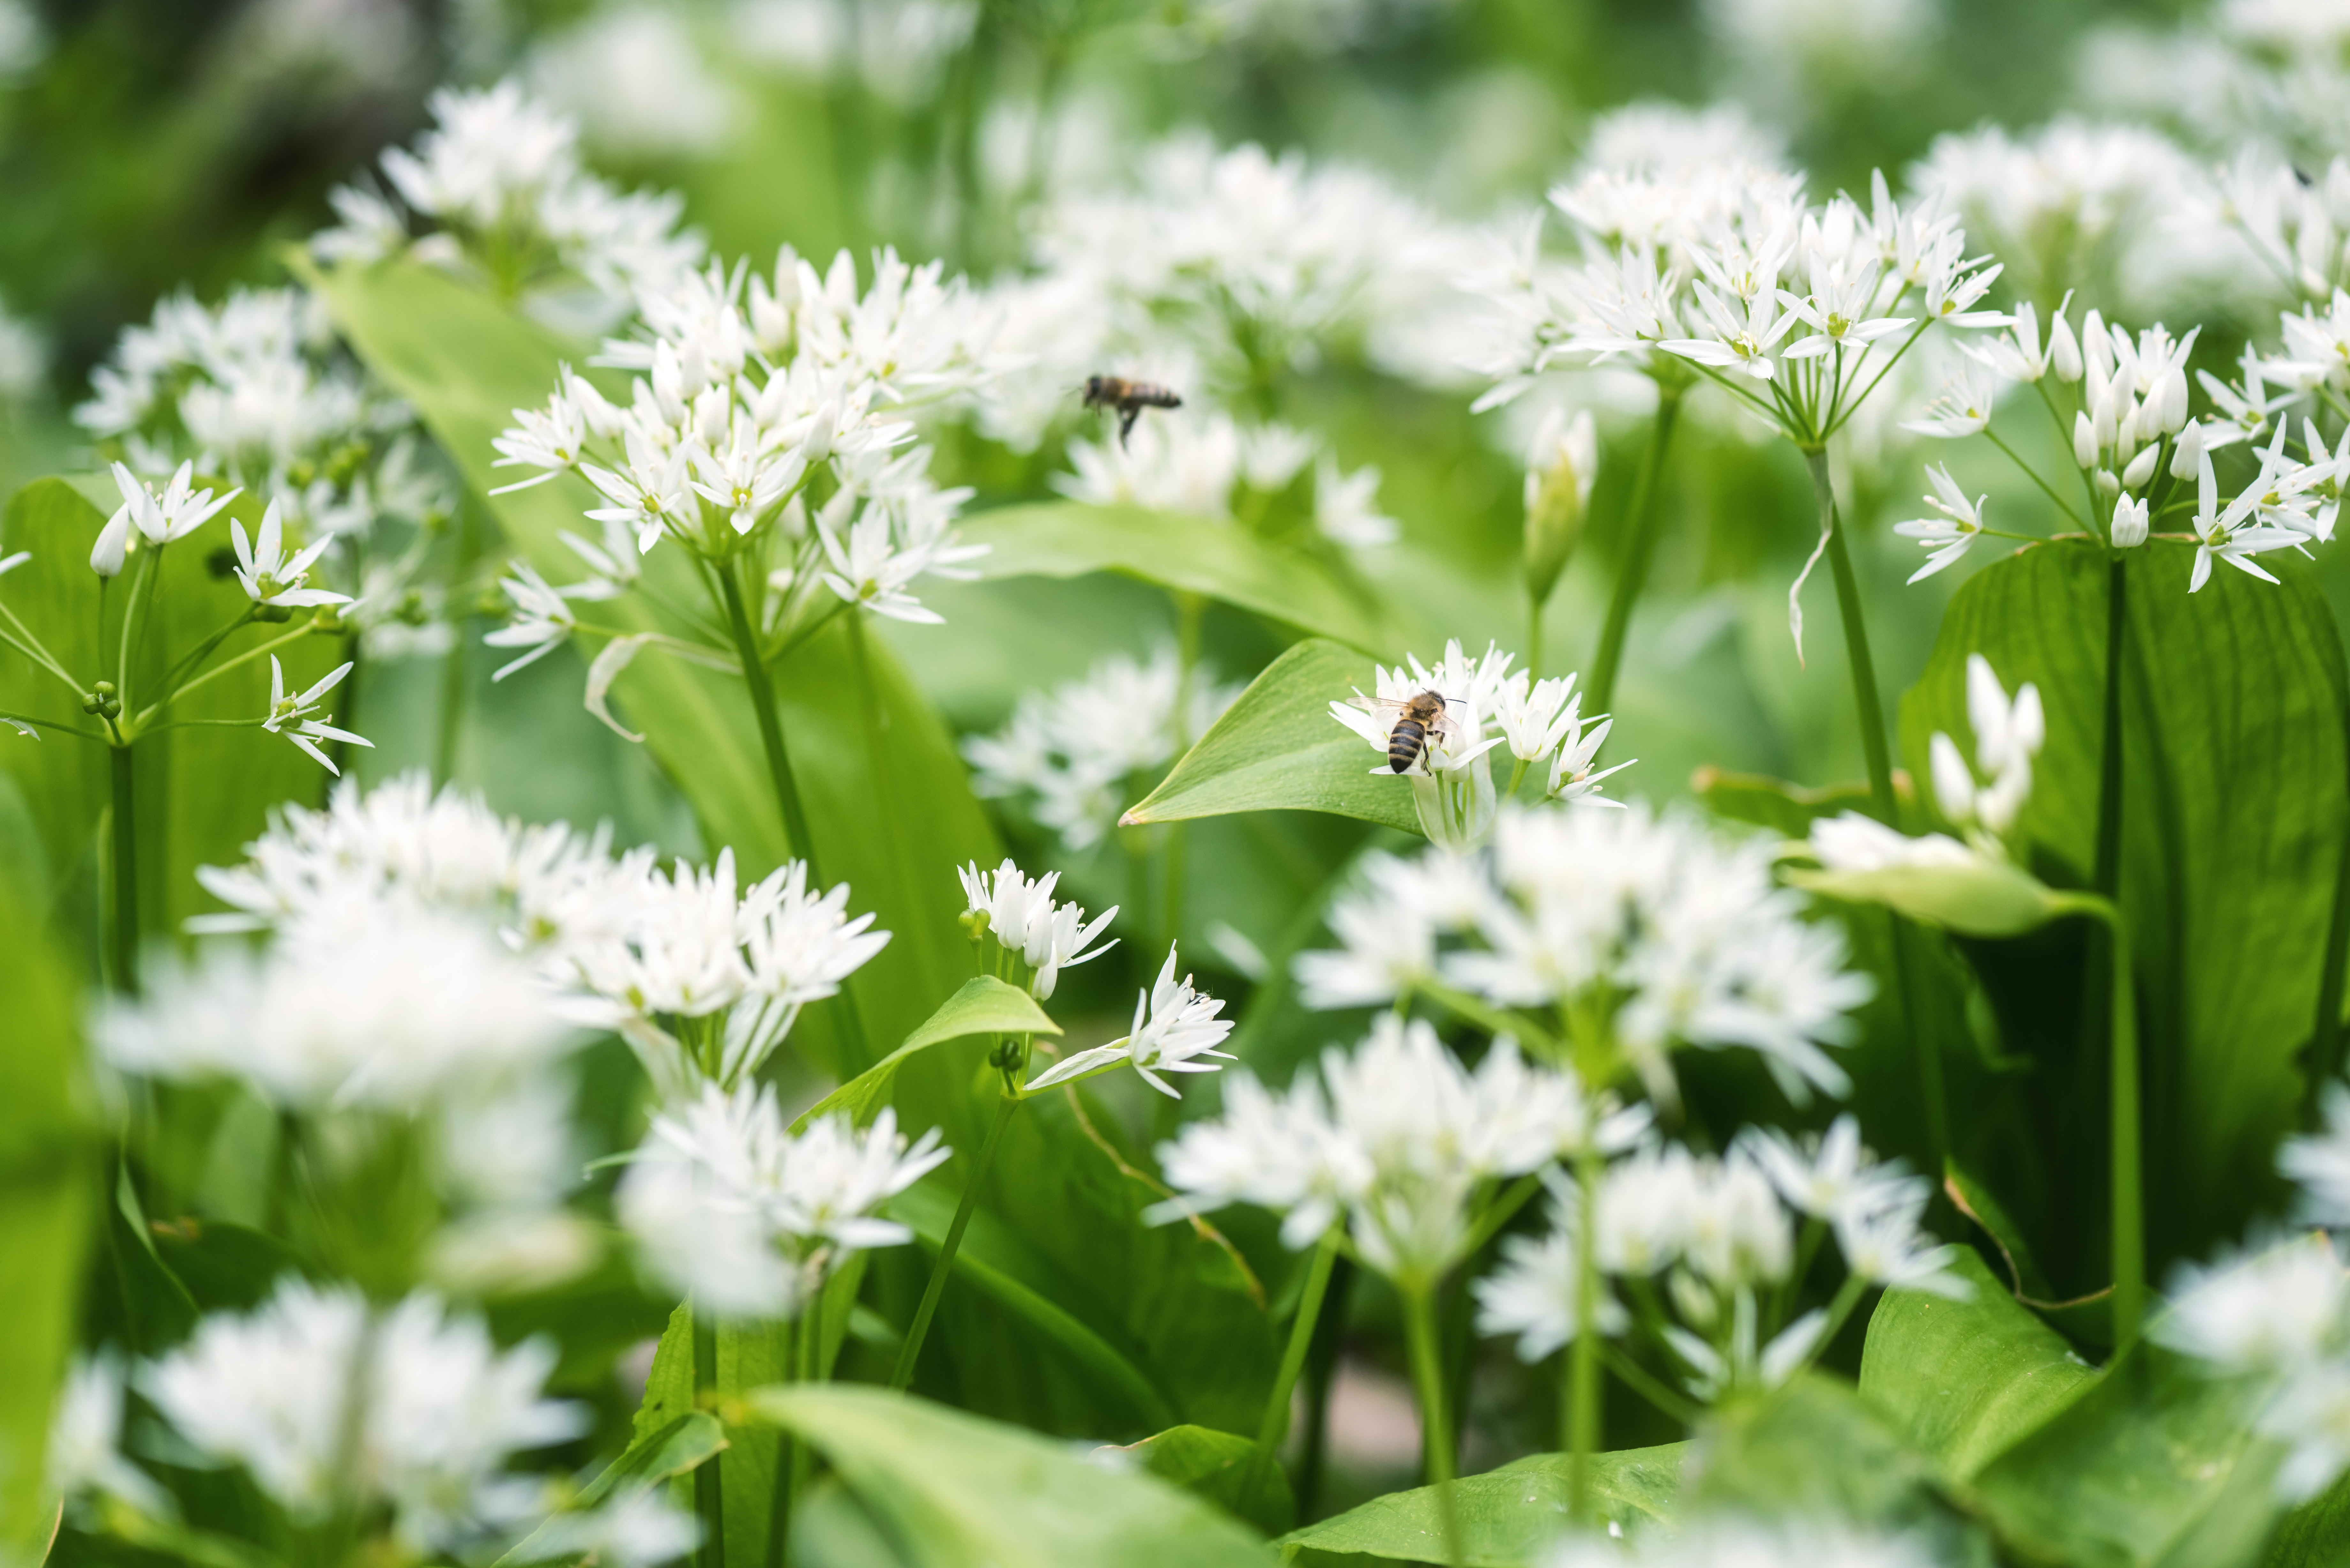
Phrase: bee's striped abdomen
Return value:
(1404, 743)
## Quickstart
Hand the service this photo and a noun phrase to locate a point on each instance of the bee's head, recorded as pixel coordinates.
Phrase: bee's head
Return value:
(1094, 386)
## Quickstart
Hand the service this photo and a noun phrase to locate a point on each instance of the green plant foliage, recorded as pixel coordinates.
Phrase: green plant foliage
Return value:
(1815, 1446)
(203, 792)
(2315, 1535)
(1785, 808)
(2233, 817)
(675, 1448)
(49, 1195)
(985, 1005)
(1508, 1516)
(1277, 749)
(951, 1489)
(1200, 555)
(1215, 1465)
(1965, 1381)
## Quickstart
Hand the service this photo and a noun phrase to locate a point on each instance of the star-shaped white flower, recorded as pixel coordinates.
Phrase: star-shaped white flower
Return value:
(1174, 1025)
(269, 576)
(304, 733)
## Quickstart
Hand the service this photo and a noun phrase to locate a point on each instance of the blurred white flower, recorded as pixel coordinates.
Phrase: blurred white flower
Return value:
(85, 1453)
(635, 79)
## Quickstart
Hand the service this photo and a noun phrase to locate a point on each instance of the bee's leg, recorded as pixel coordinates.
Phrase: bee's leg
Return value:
(1125, 418)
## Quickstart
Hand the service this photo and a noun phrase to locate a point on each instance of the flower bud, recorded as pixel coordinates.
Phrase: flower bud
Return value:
(2104, 419)
(1954, 782)
(2187, 453)
(2141, 467)
(2130, 521)
(2170, 401)
(1558, 489)
(2084, 442)
(2109, 484)
(2064, 348)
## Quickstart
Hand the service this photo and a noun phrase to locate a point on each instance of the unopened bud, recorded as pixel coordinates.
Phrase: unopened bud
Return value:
(2130, 521)
(273, 613)
(2170, 403)
(2084, 442)
(2105, 420)
(2141, 468)
(1558, 492)
(974, 923)
(2187, 453)
(2109, 484)
(2064, 348)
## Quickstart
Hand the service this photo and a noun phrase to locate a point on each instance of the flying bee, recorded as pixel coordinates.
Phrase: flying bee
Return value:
(1411, 719)
(1128, 397)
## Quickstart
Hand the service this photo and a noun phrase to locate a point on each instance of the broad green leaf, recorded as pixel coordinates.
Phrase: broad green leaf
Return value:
(1813, 1447)
(2233, 817)
(929, 1210)
(1221, 560)
(1216, 1466)
(1278, 749)
(985, 1005)
(47, 1198)
(2154, 1463)
(1965, 1381)
(2317, 1534)
(201, 793)
(953, 1490)
(1508, 1516)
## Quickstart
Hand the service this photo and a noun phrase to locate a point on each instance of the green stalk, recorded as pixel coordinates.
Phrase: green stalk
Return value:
(2129, 1196)
(2326, 1042)
(771, 731)
(709, 1496)
(2109, 872)
(1276, 1424)
(1428, 1378)
(903, 1373)
(1321, 1374)
(1855, 641)
(1583, 1355)
(1639, 551)
(124, 928)
(1534, 639)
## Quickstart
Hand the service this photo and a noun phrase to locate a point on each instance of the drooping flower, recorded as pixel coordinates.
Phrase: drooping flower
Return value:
(1174, 1026)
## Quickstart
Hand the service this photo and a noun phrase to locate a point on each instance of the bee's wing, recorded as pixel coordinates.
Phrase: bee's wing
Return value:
(1387, 709)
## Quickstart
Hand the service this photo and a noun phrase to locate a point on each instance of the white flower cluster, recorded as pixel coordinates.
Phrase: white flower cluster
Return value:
(330, 1403)
(1206, 465)
(1398, 1141)
(702, 982)
(258, 391)
(1655, 182)
(1073, 755)
(1717, 1231)
(1451, 778)
(498, 182)
(735, 1207)
(782, 405)
(1683, 934)
(1030, 929)
(1217, 271)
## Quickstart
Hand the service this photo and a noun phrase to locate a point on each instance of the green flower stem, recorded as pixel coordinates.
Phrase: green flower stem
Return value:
(1321, 1376)
(2108, 873)
(123, 925)
(1583, 1372)
(1428, 1378)
(903, 1373)
(1650, 1386)
(259, 651)
(1639, 551)
(1276, 1424)
(2325, 1047)
(709, 1496)
(1847, 1297)
(1856, 641)
(770, 730)
(1502, 1210)
(449, 722)
(2125, 1137)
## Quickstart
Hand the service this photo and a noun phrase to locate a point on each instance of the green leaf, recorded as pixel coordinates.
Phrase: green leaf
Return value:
(1277, 748)
(953, 1490)
(1508, 1516)
(1221, 560)
(2317, 1534)
(1965, 1381)
(985, 1005)
(2155, 1463)
(2233, 817)
(927, 1208)
(47, 1195)
(676, 1447)
(201, 794)
(1813, 1447)
(1215, 1465)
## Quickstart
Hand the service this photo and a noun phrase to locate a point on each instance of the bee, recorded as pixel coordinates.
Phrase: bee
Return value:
(1413, 717)
(1128, 397)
